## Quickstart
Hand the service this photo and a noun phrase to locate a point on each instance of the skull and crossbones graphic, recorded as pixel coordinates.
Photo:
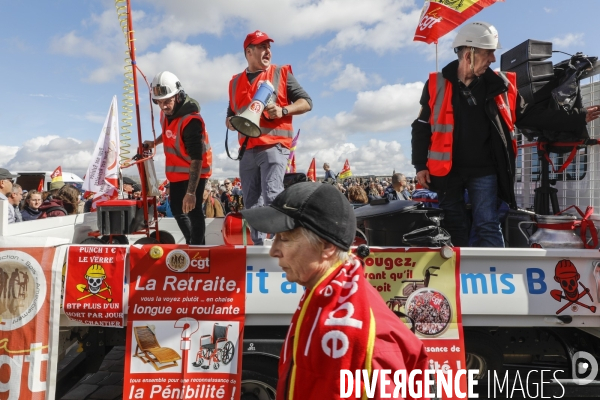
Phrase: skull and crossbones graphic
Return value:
(95, 276)
(567, 276)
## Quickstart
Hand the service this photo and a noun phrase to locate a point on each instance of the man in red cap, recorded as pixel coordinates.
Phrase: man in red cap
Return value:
(263, 163)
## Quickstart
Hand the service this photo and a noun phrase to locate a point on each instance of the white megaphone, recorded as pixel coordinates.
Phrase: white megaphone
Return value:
(247, 123)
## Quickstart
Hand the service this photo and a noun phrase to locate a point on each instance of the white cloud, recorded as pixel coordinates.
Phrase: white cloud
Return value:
(7, 153)
(391, 108)
(353, 79)
(380, 25)
(93, 117)
(387, 109)
(445, 51)
(375, 157)
(392, 31)
(283, 20)
(40, 95)
(204, 78)
(548, 10)
(48, 152)
(567, 41)
(323, 64)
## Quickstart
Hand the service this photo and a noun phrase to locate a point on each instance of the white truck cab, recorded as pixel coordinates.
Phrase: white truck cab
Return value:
(30, 180)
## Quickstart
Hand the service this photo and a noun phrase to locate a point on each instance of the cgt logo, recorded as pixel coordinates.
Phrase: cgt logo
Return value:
(200, 260)
(180, 260)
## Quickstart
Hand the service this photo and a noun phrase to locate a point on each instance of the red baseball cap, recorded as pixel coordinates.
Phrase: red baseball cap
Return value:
(256, 37)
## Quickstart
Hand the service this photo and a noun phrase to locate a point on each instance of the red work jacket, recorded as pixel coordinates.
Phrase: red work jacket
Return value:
(177, 163)
(439, 160)
(241, 92)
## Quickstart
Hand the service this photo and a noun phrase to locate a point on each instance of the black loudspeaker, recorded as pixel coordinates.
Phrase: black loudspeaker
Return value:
(529, 50)
(534, 92)
(533, 71)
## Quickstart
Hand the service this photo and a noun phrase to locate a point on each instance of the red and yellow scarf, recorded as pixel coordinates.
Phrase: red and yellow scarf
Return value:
(333, 328)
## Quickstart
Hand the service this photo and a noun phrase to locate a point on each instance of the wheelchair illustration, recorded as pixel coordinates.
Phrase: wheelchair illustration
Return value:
(215, 348)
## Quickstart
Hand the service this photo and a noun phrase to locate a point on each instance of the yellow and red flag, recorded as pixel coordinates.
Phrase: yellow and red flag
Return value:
(57, 175)
(439, 17)
(312, 171)
(292, 155)
(237, 183)
(346, 172)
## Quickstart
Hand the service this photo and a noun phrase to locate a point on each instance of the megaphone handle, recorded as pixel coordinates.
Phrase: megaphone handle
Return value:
(242, 148)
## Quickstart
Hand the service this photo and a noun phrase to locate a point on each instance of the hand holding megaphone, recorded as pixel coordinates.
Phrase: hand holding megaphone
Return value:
(248, 122)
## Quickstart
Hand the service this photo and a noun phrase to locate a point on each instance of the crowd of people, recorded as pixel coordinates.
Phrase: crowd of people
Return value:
(28, 205)
(360, 191)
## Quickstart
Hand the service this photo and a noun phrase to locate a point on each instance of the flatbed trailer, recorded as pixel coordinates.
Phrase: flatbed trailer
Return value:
(509, 316)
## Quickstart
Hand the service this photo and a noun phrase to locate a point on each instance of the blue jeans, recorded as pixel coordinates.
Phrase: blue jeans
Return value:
(261, 171)
(483, 193)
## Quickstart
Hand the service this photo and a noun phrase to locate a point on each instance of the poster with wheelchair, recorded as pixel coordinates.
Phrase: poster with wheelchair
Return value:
(421, 287)
(185, 322)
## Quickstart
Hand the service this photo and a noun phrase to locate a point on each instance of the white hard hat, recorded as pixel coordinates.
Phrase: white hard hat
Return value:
(164, 85)
(477, 34)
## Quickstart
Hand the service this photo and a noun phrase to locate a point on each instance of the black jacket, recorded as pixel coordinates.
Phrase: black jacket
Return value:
(502, 153)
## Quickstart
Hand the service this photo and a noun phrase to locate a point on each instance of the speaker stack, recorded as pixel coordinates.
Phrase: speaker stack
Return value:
(527, 60)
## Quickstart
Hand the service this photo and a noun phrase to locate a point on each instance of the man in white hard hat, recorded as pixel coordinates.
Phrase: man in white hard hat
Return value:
(264, 160)
(463, 137)
(188, 153)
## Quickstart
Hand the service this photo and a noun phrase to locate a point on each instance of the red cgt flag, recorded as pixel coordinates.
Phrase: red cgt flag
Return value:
(439, 17)
(41, 186)
(346, 171)
(312, 171)
(57, 174)
(293, 164)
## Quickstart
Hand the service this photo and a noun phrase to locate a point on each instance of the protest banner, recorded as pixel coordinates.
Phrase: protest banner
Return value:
(185, 322)
(93, 291)
(423, 286)
(28, 323)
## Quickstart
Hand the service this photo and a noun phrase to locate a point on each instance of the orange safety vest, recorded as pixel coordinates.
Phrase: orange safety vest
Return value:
(177, 163)
(241, 91)
(439, 159)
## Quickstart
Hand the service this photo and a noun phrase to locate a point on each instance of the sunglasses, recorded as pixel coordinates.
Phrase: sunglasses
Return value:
(466, 92)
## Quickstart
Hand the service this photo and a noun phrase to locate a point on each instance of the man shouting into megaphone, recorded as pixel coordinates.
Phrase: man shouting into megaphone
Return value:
(264, 160)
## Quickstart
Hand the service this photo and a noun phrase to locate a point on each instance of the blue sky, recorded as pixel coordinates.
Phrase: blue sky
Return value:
(62, 61)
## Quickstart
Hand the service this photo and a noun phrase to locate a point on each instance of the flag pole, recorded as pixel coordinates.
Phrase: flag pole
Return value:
(436, 57)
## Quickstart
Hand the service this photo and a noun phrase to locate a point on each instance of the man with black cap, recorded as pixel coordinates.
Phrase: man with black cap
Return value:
(128, 186)
(6, 187)
(264, 159)
(315, 227)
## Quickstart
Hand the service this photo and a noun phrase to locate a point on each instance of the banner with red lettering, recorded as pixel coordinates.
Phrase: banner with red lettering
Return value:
(185, 322)
(29, 314)
(439, 17)
(423, 286)
(93, 291)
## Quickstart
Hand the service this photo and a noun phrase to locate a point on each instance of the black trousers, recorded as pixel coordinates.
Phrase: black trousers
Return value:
(192, 224)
